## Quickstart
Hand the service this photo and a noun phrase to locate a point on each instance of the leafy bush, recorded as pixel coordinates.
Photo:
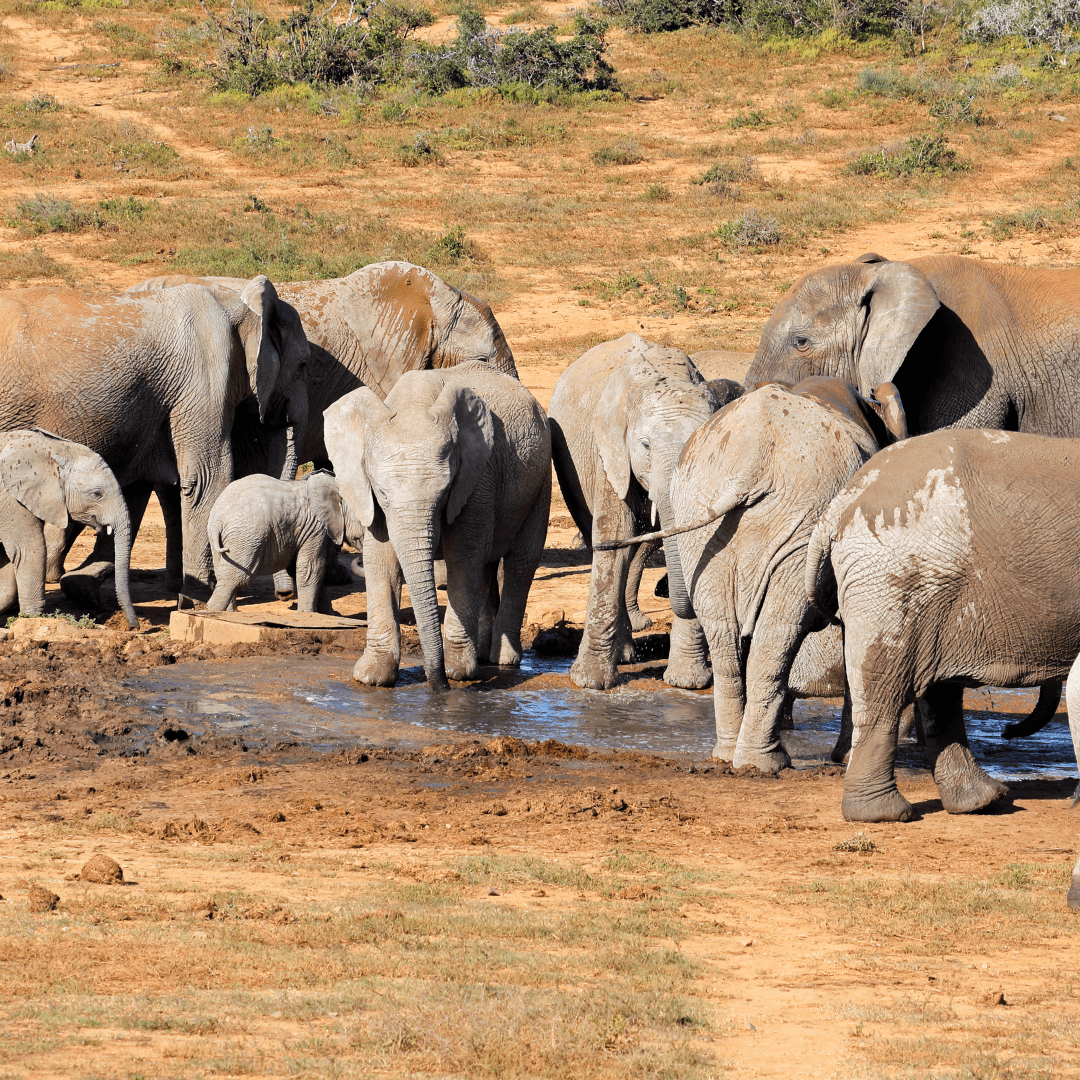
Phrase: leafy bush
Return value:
(656, 16)
(624, 152)
(750, 230)
(42, 103)
(658, 193)
(52, 213)
(722, 178)
(421, 151)
(484, 57)
(1052, 24)
(920, 155)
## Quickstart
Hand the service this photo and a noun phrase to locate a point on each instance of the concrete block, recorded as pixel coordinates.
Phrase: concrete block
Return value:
(242, 627)
(49, 629)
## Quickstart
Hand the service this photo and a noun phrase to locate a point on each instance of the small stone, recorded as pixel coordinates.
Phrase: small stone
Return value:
(102, 870)
(538, 892)
(493, 892)
(747, 943)
(41, 900)
(203, 909)
(993, 996)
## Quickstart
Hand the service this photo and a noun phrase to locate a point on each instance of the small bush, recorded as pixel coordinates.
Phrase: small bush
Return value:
(450, 247)
(750, 230)
(53, 213)
(893, 84)
(421, 151)
(658, 193)
(722, 178)
(755, 119)
(393, 111)
(926, 155)
(130, 208)
(42, 103)
(624, 152)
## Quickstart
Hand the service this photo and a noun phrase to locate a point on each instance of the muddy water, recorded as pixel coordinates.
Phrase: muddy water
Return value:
(312, 701)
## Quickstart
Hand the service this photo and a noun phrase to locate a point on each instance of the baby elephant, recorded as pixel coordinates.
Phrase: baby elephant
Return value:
(45, 480)
(260, 525)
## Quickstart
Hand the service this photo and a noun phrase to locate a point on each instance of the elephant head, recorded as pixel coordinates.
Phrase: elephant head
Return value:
(325, 502)
(409, 465)
(853, 321)
(55, 478)
(648, 409)
(272, 349)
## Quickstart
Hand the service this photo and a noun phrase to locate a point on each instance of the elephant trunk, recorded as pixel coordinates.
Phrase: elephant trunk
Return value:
(122, 546)
(678, 595)
(413, 536)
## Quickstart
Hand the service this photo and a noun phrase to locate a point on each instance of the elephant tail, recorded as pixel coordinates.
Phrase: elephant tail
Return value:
(820, 582)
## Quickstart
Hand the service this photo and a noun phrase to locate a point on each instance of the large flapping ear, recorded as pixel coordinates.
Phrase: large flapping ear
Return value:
(899, 302)
(30, 474)
(345, 432)
(388, 308)
(609, 429)
(325, 502)
(263, 360)
(475, 441)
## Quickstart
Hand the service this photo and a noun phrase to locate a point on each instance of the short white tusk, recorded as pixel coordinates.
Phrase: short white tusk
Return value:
(108, 530)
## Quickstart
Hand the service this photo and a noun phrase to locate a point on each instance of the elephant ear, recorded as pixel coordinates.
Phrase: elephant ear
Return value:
(325, 502)
(263, 359)
(899, 301)
(609, 429)
(345, 426)
(30, 474)
(388, 309)
(476, 440)
(890, 408)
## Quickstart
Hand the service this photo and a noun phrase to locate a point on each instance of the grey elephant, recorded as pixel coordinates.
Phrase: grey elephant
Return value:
(950, 560)
(620, 415)
(749, 489)
(260, 525)
(455, 462)
(153, 382)
(46, 479)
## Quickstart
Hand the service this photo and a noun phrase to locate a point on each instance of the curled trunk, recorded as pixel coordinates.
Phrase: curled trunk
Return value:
(122, 547)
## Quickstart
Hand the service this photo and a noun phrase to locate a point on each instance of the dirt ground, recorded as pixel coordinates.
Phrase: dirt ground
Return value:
(454, 906)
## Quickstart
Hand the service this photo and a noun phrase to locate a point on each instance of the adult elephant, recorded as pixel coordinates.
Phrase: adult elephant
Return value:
(620, 416)
(371, 327)
(151, 382)
(967, 343)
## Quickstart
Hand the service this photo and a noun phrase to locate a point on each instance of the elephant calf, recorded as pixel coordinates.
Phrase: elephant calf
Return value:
(951, 559)
(46, 479)
(620, 415)
(260, 525)
(459, 461)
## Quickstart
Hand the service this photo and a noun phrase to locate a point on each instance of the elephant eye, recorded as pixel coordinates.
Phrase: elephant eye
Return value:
(800, 341)
(95, 494)
(645, 443)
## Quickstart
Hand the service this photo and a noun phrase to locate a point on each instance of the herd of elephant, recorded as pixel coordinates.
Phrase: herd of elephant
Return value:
(886, 507)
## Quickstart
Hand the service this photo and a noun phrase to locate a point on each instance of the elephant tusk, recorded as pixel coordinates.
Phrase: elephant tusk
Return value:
(648, 538)
(108, 530)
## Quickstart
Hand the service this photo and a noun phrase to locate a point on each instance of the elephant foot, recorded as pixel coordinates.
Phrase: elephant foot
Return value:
(376, 669)
(592, 674)
(92, 586)
(687, 674)
(285, 597)
(889, 805)
(769, 762)
(841, 751)
(963, 786)
(460, 668)
(507, 654)
(626, 653)
(639, 620)
(724, 750)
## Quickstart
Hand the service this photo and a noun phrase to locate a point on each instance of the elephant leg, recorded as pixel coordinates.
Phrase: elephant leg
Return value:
(686, 665)
(383, 579)
(961, 783)
(726, 649)
(285, 586)
(638, 619)
(168, 497)
(203, 477)
(229, 583)
(519, 569)
(27, 553)
(773, 648)
(842, 748)
(310, 573)
(607, 626)
(878, 700)
(57, 544)
(787, 722)
(9, 589)
(489, 610)
(467, 586)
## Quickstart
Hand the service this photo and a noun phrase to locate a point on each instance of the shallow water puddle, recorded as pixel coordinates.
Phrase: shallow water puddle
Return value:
(314, 701)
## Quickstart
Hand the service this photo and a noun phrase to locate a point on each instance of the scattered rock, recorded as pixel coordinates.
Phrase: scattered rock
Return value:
(538, 892)
(1058, 117)
(993, 996)
(103, 870)
(41, 900)
(203, 909)
(492, 892)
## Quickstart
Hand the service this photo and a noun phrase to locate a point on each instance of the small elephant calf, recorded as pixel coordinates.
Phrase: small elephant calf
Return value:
(260, 525)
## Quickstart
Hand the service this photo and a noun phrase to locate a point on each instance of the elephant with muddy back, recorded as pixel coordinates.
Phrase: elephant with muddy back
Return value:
(454, 463)
(950, 559)
(620, 416)
(967, 343)
(154, 383)
(46, 479)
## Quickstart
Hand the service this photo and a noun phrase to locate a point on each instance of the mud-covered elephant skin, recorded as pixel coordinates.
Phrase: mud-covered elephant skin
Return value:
(620, 415)
(456, 463)
(262, 525)
(44, 478)
(950, 558)
(151, 381)
(749, 489)
(968, 343)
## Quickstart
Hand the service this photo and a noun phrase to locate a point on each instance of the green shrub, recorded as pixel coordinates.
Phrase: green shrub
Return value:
(53, 213)
(624, 152)
(750, 230)
(754, 119)
(421, 151)
(450, 247)
(42, 103)
(927, 155)
(658, 193)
